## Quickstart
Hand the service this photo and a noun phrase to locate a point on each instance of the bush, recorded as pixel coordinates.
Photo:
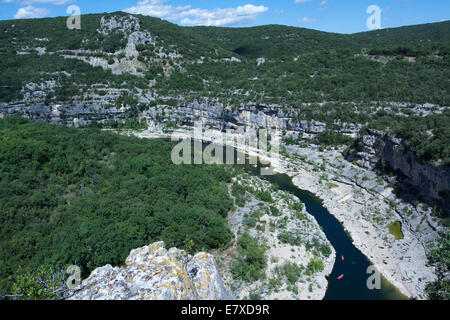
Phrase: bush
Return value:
(315, 265)
(440, 257)
(290, 237)
(332, 138)
(238, 191)
(292, 272)
(274, 211)
(438, 290)
(251, 262)
(43, 283)
(265, 196)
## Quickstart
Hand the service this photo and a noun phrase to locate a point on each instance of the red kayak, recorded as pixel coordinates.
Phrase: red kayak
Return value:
(340, 277)
(342, 258)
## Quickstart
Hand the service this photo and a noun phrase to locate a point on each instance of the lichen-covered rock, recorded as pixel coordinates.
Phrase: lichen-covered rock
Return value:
(155, 273)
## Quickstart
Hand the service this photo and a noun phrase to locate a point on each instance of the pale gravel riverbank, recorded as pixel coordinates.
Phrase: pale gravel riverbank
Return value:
(267, 230)
(402, 262)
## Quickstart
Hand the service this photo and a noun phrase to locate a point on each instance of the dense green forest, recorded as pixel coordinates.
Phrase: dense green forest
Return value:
(301, 65)
(87, 197)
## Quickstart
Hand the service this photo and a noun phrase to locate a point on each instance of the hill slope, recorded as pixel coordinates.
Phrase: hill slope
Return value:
(268, 64)
(88, 197)
(434, 32)
(123, 65)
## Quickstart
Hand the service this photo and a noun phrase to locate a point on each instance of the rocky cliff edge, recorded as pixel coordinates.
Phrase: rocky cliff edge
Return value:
(155, 273)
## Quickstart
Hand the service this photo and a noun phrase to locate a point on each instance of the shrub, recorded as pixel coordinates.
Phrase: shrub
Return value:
(315, 265)
(292, 272)
(43, 283)
(251, 262)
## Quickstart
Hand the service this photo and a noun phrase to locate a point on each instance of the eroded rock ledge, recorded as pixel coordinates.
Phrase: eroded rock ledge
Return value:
(155, 273)
(425, 181)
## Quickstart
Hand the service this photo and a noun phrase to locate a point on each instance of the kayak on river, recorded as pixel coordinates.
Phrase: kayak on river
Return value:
(340, 277)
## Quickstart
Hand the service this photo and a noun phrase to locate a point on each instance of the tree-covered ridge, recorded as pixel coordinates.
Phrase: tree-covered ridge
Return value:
(274, 41)
(435, 32)
(295, 64)
(87, 197)
(324, 76)
(29, 32)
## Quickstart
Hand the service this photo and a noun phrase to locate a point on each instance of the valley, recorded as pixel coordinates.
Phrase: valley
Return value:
(86, 173)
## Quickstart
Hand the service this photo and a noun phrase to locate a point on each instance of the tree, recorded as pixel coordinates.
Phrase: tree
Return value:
(43, 283)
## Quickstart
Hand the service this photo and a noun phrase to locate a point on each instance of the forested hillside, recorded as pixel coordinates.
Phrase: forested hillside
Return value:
(86, 197)
(433, 32)
(374, 79)
(268, 64)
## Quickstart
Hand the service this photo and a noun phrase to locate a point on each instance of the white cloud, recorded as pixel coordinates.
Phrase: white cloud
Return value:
(31, 12)
(306, 20)
(302, 1)
(323, 5)
(187, 15)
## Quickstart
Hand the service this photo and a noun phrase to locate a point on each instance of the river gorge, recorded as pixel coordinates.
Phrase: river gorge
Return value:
(348, 210)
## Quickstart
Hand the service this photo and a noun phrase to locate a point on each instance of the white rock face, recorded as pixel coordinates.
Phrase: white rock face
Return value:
(121, 23)
(155, 273)
(260, 61)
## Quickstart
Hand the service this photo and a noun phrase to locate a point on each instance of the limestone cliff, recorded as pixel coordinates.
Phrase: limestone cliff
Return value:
(431, 184)
(215, 115)
(155, 273)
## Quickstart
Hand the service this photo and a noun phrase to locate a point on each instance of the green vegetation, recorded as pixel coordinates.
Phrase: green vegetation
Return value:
(250, 264)
(87, 197)
(264, 196)
(292, 272)
(44, 283)
(315, 265)
(301, 65)
(322, 75)
(291, 238)
(238, 192)
(120, 125)
(319, 247)
(427, 136)
(435, 32)
(332, 138)
(440, 256)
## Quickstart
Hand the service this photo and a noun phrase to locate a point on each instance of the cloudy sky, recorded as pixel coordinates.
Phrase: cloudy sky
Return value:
(344, 16)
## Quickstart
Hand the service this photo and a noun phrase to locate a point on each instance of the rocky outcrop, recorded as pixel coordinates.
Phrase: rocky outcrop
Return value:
(73, 115)
(291, 237)
(155, 273)
(213, 115)
(431, 184)
(218, 116)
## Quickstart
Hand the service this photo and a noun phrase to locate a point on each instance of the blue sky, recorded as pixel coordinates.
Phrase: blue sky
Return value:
(343, 16)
